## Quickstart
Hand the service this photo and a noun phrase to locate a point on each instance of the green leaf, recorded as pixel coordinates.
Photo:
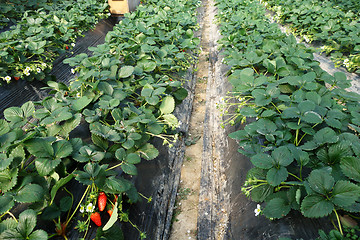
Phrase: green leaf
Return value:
(167, 105)
(282, 156)
(39, 147)
(306, 106)
(80, 103)
(27, 222)
(263, 161)
(59, 184)
(4, 127)
(312, 117)
(113, 71)
(6, 203)
(38, 235)
(128, 144)
(50, 212)
(146, 92)
(350, 166)
(5, 161)
(315, 206)
(113, 233)
(65, 203)
(8, 179)
(326, 135)
(321, 181)
(30, 193)
(345, 193)
(62, 148)
(45, 166)
(113, 218)
(171, 120)
(126, 71)
(149, 66)
(8, 223)
(100, 141)
(117, 185)
(129, 168)
(11, 234)
(13, 114)
(155, 128)
(28, 109)
(120, 154)
(276, 208)
(276, 176)
(106, 88)
(180, 94)
(148, 151)
(133, 158)
(60, 114)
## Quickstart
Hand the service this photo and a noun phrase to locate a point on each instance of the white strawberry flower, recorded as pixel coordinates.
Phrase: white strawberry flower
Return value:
(257, 210)
(38, 70)
(82, 209)
(7, 79)
(90, 207)
(72, 71)
(306, 38)
(27, 69)
(346, 62)
(73, 44)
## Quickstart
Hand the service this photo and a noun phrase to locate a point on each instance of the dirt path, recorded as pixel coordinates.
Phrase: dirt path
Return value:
(186, 209)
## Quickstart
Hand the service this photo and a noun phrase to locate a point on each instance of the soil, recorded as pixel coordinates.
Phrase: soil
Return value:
(186, 209)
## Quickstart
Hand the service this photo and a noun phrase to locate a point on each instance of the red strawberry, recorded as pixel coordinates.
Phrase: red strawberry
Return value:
(67, 47)
(95, 217)
(110, 212)
(16, 78)
(102, 201)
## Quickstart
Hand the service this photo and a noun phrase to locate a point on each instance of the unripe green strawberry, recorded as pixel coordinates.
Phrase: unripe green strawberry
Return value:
(102, 201)
(95, 217)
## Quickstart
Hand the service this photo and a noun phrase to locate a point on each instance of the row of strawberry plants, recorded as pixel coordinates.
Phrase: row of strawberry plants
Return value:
(319, 21)
(29, 48)
(346, 5)
(301, 136)
(11, 11)
(124, 94)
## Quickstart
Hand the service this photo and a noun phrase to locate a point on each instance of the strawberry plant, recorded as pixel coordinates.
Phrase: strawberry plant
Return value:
(28, 49)
(11, 10)
(124, 95)
(326, 23)
(303, 139)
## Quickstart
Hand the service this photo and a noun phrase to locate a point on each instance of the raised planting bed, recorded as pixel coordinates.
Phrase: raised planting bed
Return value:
(63, 154)
(299, 146)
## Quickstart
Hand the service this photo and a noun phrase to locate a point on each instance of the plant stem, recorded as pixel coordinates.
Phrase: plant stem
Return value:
(276, 107)
(12, 215)
(115, 166)
(72, 201)
(339, 223)
(87, 189)
(295, 176)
